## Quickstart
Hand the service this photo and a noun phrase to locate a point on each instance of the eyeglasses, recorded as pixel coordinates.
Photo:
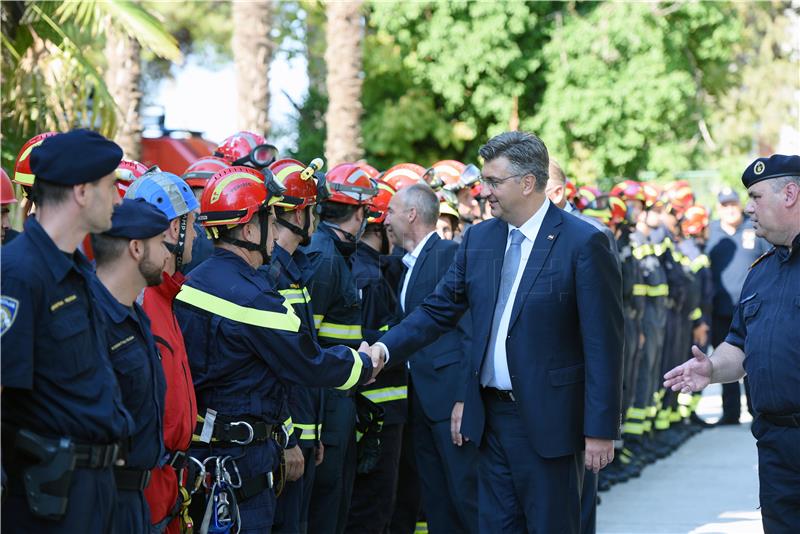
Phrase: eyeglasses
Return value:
(494, 183)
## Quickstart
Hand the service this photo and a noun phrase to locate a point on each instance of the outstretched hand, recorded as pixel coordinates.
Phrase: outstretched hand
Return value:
(377, 357)
(693, 375)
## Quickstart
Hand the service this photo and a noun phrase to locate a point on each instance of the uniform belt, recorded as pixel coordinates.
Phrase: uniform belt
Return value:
(96, 456)
(232, 431)
(791, 420)
(131, 479)
(505, 395)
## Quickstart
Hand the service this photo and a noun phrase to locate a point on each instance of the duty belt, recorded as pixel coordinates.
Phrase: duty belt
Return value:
(131, 479)
(86, 456)
(230, 431)
(791, 420)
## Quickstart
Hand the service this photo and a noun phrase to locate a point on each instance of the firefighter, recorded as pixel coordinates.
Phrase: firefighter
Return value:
(7, 199)
(337, 316)
(634, 294)
(378, 466)
(296, 218)
(197, 175)
(166, 498)
(244, 343)
(131, 256)
(694, 227)
(63, 415)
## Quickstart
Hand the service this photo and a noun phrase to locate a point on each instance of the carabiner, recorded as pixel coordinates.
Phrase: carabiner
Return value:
(250, 431)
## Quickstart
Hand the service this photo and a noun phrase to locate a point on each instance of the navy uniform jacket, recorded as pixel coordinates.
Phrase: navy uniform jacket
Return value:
(765, 327)
(654, 277)
(439, 371)
(56, 376)
(246, 344)
(290, 273)
(137, 364)
(701, 293)
(634, 291)
(336, 303)
(378, 314)
(731, 256)
(565, 333)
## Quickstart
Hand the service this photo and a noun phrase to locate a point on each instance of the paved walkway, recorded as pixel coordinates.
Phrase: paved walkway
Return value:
(710, 485)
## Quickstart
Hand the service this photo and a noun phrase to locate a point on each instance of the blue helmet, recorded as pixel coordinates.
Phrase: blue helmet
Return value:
(166, 191)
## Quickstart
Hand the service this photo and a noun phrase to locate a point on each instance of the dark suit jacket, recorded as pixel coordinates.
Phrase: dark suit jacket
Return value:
(439, 371)
(565, 336)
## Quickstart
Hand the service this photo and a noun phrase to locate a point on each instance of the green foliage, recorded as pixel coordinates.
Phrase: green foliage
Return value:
(629, 85)
(52, 65)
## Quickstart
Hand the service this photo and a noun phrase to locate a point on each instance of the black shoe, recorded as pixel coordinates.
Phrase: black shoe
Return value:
(725, 421)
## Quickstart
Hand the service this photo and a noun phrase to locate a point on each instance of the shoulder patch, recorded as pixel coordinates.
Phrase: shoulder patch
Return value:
(8, 313)
(764, 255)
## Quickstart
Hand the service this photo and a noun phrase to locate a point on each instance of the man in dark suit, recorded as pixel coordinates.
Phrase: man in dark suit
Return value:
(544, 389)
(438, 372)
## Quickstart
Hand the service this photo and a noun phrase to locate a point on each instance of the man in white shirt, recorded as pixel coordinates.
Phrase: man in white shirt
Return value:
(545, 363)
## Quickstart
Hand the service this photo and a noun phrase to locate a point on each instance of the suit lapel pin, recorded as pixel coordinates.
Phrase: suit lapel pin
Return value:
(550, 237)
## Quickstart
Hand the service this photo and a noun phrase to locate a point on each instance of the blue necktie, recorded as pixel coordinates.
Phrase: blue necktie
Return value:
(507, 276)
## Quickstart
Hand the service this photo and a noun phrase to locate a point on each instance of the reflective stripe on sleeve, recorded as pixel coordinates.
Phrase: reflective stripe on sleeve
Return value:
(287, 320)
(339, 331)
(640, 290)
(295, 296)
(386, 394)
(307, 432)
(661, 290)
(355, 372)
(696, 314)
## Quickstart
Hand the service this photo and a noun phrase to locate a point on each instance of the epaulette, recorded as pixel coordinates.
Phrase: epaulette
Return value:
(764, 255)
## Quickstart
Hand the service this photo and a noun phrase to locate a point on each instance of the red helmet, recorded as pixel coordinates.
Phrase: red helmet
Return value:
(618, 209)
(233, 195)
(371, 171)
(379, 206)
(7, 195)
(23, 174)
(570, 191)
(300, 192)
(445, 173)
(679, 195)
(404, 174)
(127, 171)
(199, 172)
(694, 221)
(629, 190)
(587, 197)
(652, 194)
(247, 148)
(348, 184)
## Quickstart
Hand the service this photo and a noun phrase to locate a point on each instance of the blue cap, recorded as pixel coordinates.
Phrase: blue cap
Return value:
(727, 194)
(75, 157)
(775, 166)
(137, 219)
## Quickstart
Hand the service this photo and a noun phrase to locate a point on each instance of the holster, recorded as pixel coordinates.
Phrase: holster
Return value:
(47, 481)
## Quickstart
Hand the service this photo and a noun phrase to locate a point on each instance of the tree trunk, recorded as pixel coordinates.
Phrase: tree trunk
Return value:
(344, 35)
(122, 77)
(252, 54)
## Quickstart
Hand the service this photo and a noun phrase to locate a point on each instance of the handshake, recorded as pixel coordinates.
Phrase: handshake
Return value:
(377, 356)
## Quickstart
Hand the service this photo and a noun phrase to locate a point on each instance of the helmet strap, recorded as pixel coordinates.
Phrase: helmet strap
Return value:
(177, 248)
(350, 237)
(263, 222)
(302, 232)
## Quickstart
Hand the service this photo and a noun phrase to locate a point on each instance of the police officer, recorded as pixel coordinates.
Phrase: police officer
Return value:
(61, 402)
(131, 256)
(245, 342)
(763, 340)
(732, 247)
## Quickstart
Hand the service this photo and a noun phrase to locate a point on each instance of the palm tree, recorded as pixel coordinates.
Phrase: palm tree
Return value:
(52, 66)
(252, 54)
(123, 77)
(344, 34)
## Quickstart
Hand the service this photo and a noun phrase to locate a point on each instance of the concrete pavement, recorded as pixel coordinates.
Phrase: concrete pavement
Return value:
(709, 485)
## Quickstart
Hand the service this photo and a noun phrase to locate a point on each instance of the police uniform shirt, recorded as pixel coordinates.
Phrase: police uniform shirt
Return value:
(56, 376)
(730, 257)
(765, 327)
(137, 364)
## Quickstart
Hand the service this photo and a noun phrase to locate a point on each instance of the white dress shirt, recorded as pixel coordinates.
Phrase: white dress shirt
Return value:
(409, 260)
(530, 229)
